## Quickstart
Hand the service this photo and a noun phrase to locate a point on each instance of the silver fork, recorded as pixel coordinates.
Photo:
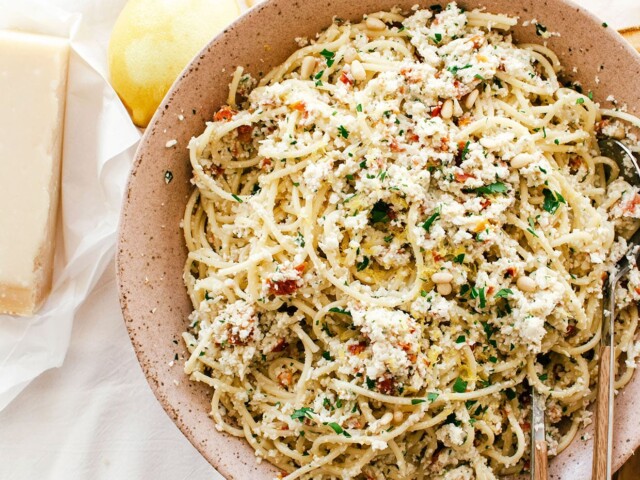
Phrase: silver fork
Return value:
(602, 465)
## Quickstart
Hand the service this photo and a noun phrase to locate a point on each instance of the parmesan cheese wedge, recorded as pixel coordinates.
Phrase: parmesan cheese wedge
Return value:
(33, 76)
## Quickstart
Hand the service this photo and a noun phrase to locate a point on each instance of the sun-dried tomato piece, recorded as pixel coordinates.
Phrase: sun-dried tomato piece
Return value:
(244, 133)
(226, 113)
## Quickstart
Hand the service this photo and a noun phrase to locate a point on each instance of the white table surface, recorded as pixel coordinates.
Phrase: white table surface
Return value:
(95, 417)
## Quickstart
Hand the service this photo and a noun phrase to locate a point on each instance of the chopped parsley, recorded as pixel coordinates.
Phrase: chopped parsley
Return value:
(380, 212)
(416, 401)
(543, 377)
(461, 339)
(437, 38)
(363, 264)
(459, 386)
(338, 429)
(465, 151)
(503, 293)
(340, 310)
(236, 197)
(326, 355)
(343, 132)
(427, 224)
(552, 201)
(301, 413)
(579, 101)
(459, 259)
(432, 396)
(531, 228)
(359, 108)
(483, 300)
(488, 329)
(329, 56)
(497, 187)
(454, 69)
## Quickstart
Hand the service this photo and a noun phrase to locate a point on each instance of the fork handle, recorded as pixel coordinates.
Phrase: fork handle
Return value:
(540, 453)
(601, 469)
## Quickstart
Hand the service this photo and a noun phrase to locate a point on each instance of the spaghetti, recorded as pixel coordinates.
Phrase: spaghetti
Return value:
(394, 235)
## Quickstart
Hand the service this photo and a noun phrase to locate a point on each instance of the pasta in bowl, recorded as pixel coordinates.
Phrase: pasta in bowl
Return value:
(394, 235)
(400, 348)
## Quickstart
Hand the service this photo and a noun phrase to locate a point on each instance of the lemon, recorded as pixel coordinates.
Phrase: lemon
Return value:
(632, 34)
(153, 40)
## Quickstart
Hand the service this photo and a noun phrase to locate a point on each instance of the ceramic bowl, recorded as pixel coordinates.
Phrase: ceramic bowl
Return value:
(151, 251)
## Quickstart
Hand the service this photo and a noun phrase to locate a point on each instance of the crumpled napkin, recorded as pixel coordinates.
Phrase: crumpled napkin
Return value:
(99, 144)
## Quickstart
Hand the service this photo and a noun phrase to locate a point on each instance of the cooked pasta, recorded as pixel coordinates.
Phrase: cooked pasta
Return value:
(397, 233)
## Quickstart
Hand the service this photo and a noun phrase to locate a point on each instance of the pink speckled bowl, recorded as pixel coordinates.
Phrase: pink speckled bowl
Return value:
(151, 251)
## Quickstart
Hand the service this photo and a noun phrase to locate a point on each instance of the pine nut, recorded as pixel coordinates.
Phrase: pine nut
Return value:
(471, 99)
(357, 70)
(457, 109)
(447, 109)
(350, 55)
(526, 284)
(444, 288)
(441, 277)
(308, 65)
(374, 23)
(522, 160)
(398, 417)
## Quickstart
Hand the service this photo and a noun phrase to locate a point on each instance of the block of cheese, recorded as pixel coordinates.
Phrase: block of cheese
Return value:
(33, 77)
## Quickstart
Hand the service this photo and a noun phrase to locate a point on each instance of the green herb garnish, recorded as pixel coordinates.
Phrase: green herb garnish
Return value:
(427, 224)
(362, 265)
(301, 413)
(497, 187)
(460, 386)
(338, 429)
(329, 56)
(380, 212)
(503, 293)
(552, 200)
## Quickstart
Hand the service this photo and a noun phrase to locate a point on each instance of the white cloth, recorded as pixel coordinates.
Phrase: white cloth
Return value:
(95, 417)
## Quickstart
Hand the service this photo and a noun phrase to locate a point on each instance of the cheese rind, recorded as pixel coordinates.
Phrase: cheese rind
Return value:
(33, 77)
